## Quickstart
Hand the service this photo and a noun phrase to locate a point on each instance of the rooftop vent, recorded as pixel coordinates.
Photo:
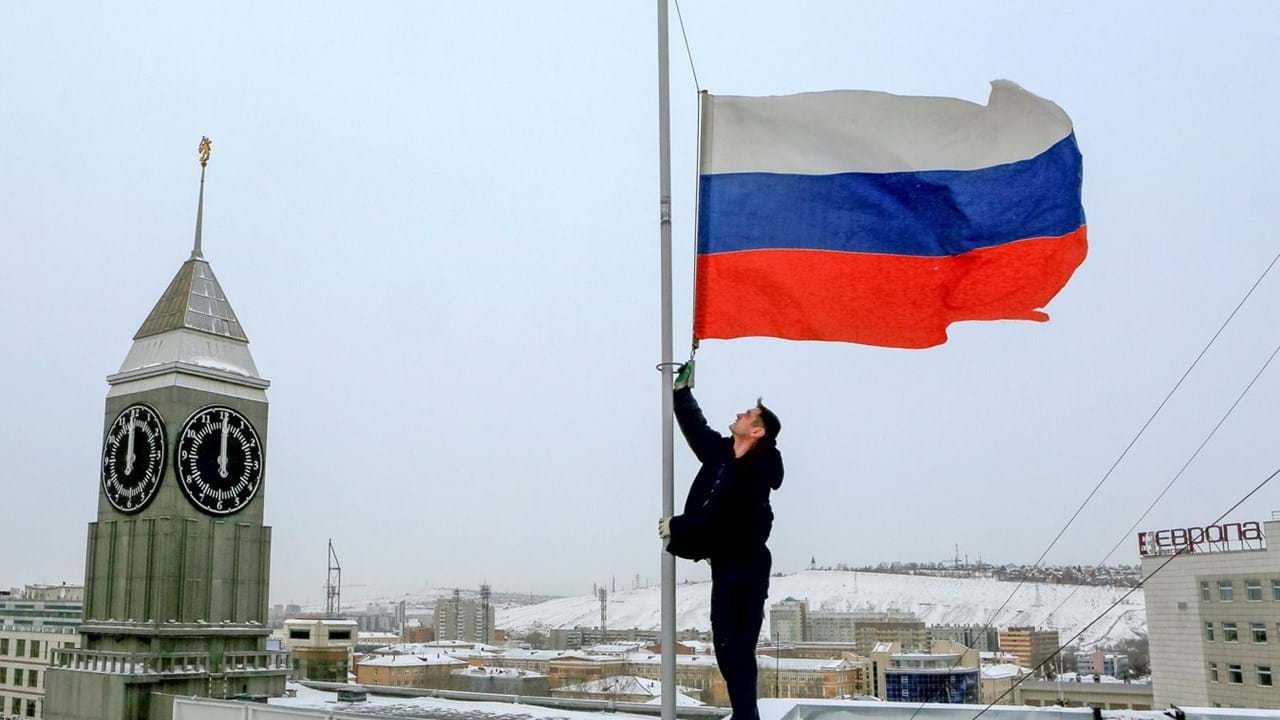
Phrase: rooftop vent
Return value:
(353, 695)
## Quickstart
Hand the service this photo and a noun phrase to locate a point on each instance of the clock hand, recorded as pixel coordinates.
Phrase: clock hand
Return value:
(129, 456)
(222, 456)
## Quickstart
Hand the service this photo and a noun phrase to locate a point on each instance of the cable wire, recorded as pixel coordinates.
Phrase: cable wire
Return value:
(689, 52)
(1124, 453)
(1124, 597)
(1128, 533)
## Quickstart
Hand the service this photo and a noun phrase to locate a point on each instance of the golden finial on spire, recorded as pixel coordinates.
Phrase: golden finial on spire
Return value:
(205, 145)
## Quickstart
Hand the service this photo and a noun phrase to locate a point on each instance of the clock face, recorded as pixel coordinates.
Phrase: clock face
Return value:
(219, 460)
(133, 458)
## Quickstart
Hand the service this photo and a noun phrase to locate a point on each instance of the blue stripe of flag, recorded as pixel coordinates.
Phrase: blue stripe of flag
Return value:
(927, 213)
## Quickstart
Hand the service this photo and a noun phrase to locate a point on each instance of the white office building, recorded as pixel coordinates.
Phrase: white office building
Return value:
(1213, 615)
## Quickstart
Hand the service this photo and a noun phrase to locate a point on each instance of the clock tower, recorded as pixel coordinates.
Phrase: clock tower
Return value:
(178, 560)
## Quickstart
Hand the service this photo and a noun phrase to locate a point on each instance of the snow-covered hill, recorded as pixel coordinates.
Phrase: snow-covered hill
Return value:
(935, 600)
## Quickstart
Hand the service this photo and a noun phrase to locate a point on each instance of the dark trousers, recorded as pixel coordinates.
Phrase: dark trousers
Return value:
(738, 591)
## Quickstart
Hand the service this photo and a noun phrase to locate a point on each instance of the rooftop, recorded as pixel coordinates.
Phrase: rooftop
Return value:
(1003, 670)
(443, 705)
(1116, 688)
(193, 301)
(624, 685)
(410, 660)
(486, 671)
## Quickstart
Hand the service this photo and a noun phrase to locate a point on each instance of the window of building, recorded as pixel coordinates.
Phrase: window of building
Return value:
(32, 678)
(1235, 675)
(1207, 596)
(15, 707)
(1259, 632)
(1229, 633)
(31, 708)
(1275, 589)
(1208, 632)
(4, 646)
(17, 677)
(35, 648)
(4, 680)
(299, 633)
(1225, 590)
(1213, 672)
(1253, 590)
(20, 648)
(339, 634)
(1264, 676)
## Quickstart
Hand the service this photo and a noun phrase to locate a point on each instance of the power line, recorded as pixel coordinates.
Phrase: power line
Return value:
(1124, 453)
(1128, 533)
(1124, 597)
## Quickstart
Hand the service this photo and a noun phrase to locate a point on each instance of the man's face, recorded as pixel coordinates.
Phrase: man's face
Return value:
(745, 424)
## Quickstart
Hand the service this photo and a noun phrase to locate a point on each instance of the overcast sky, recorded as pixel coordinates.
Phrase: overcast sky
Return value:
(438, 225)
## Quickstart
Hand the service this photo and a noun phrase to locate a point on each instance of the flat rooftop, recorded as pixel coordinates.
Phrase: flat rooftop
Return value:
(313, 701)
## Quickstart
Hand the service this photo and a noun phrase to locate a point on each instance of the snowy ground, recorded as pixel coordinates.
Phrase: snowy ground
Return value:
(936, 600)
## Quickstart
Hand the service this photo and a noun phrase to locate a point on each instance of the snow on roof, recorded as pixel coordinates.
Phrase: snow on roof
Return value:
(518, 654)
(767, 661)
(608, 648)
(428, 707)
(655, 659)
(681, 699)
(487, 671)
(1088, 678)
(456, 650)
(621, 685)
(411, 660)
(317, 621)
(1003, 670)
(393, 661)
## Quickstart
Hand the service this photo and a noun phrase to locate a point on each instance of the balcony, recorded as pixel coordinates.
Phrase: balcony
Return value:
(237, 663)
(114, 663)
(255, 662)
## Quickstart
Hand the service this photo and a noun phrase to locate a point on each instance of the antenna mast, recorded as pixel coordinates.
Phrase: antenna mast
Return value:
(333, 585)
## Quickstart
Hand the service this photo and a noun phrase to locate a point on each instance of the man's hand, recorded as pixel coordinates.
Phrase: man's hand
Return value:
(664, 529)
(684, 377)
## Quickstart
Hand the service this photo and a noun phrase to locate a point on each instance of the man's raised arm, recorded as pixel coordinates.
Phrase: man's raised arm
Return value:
(703, 441)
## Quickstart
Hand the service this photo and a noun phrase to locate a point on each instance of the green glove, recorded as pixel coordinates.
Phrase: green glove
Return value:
(684, 377)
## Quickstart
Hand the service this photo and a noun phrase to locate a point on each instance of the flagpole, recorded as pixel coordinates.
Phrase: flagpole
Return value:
(668, 431)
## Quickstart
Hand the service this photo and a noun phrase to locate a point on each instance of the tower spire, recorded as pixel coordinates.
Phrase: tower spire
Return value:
(204, 148)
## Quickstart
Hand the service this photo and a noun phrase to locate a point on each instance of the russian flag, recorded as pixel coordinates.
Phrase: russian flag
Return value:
(880, 219)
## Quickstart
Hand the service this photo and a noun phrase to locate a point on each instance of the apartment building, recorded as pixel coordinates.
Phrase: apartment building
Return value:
(25, 653)
(35, 620)
(1030, 645)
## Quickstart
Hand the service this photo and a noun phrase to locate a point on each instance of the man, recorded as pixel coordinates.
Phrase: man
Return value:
(726, 521)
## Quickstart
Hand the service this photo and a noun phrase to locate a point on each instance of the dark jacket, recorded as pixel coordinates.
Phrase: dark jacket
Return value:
(727, 514)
